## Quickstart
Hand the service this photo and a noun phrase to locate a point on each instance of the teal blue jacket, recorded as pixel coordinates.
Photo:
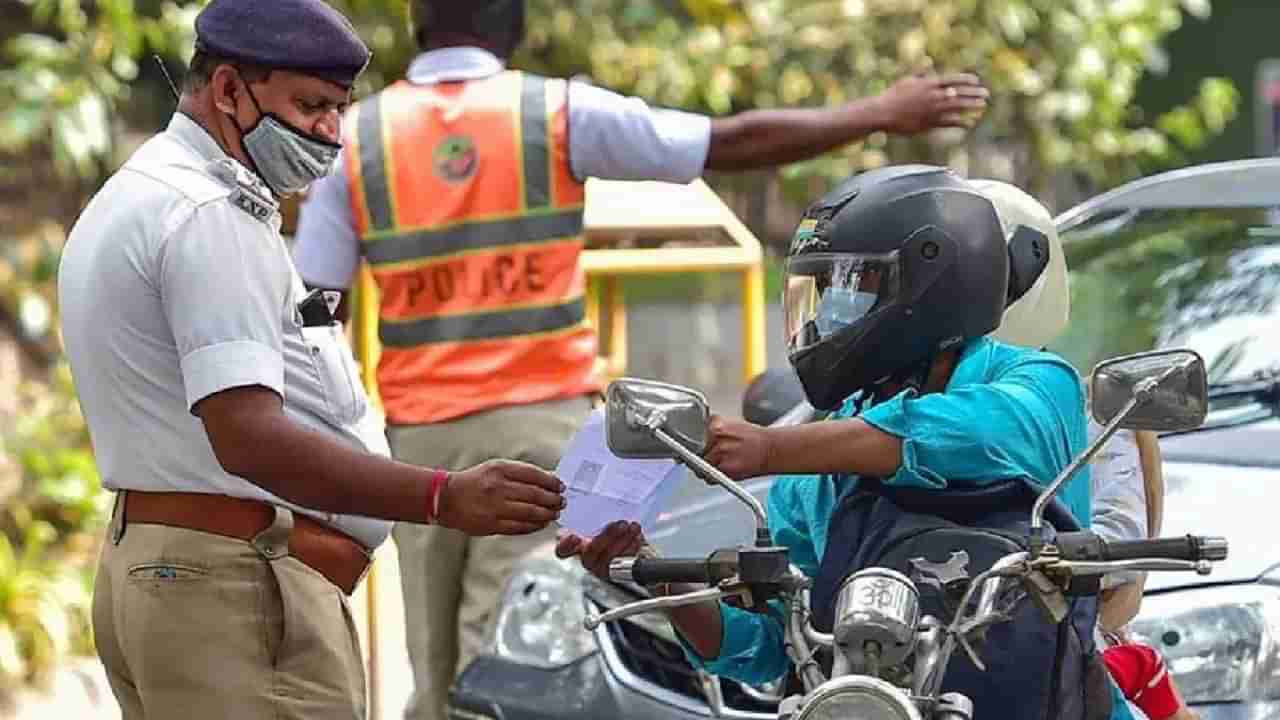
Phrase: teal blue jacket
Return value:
(1008, 412)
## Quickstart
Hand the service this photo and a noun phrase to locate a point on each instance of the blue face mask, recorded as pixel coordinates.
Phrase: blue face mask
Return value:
(840, 307)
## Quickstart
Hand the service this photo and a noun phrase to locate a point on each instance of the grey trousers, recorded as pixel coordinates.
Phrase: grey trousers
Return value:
(451, 583)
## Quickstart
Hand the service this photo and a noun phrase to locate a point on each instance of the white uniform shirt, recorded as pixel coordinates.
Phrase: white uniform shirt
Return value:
(610, 137)
(1119, 494)
(175, 284)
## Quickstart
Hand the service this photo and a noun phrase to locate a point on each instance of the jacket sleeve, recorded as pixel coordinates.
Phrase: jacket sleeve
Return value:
(751, 645)
(752, 648)
(1024, 424)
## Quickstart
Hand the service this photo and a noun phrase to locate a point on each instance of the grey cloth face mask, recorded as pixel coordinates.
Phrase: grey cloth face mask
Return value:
(287, 159)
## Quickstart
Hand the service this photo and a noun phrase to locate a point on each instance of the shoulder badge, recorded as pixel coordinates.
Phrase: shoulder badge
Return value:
(248, 192)
(258, 207)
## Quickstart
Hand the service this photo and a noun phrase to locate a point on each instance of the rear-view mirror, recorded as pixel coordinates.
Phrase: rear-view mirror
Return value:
(639, 412)
(1168, 390)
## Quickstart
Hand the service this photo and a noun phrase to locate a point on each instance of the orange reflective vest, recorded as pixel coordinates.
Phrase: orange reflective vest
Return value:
(471, 220)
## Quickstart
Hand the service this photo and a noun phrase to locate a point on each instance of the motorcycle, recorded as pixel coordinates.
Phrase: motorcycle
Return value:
(888, 659)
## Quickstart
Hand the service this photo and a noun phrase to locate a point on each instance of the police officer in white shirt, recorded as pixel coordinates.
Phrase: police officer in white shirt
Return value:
(252, 483)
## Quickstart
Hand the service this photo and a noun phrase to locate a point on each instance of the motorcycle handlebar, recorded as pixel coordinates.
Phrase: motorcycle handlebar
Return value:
(1193, 548)
(1088, 547)
(652, 571)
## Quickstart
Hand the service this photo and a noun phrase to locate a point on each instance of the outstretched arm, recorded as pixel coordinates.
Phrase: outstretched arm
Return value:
(1027, 423)
(914, 104)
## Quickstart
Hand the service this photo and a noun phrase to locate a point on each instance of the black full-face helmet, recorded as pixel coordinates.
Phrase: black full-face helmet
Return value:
(499, 21)
(886, 271)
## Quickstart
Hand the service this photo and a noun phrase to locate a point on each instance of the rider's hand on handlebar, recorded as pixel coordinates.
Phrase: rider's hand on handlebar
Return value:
(738, 448)
(619, 539)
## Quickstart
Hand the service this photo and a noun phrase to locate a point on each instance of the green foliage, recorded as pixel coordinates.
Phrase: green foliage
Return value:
(52, 516)
(28, 265)
(384, 26)
(69, 67)
(1063, 74)
(75, 64)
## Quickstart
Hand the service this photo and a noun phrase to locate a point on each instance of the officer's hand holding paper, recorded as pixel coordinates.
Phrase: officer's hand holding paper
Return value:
(601, 488)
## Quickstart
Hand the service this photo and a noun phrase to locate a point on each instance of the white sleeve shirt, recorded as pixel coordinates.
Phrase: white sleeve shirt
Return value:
(611, 136)
(1119, 494)
(174, 286)
(227, 324)
(614, 137)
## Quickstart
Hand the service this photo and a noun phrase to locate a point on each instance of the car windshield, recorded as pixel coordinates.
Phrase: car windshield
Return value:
(1205, 279)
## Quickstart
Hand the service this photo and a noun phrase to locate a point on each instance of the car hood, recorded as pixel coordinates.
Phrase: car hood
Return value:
(1235, 502)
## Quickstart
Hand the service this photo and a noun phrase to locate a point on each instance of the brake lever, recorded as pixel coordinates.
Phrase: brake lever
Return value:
(1085, 567)
(1047, 595)
(1050, 597)
(670, 602)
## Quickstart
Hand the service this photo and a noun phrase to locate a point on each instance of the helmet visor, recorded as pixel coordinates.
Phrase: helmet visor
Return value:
(827, 292)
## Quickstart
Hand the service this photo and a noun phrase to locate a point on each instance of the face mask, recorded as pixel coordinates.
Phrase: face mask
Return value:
(287, 159)
(841, 307)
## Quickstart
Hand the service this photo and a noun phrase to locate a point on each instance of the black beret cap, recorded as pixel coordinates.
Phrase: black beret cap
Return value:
(307, 36)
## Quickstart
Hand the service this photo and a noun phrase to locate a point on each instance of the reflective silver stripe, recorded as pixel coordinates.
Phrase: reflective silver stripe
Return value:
(533, 137)
(424, 244)
(373, 165)
(482, 326)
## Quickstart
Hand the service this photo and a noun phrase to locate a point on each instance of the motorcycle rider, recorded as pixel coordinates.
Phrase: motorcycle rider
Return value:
(894, 279)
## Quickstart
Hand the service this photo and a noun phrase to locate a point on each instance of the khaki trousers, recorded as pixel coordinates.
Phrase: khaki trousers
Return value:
(451, 583)
(198, 626)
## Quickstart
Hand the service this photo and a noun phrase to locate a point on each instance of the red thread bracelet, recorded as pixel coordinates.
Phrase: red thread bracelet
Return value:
(439, 478)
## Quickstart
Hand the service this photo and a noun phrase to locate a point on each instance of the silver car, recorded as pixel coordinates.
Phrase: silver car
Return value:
(1186, 258)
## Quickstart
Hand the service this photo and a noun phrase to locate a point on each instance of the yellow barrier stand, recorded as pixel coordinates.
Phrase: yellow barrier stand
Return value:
(649, 228)
(631, 228)
(365, 327)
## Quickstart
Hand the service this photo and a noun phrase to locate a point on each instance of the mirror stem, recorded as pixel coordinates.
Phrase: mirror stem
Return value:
(1141, 393)
(1037, 510)
(707, 471)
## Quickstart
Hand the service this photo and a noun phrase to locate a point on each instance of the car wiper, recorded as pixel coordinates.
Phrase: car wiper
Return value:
(1262, 392)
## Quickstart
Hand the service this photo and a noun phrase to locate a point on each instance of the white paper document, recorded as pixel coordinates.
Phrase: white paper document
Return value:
(601, 488)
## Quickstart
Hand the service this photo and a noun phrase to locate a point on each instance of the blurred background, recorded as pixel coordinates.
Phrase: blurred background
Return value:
(1087, 94)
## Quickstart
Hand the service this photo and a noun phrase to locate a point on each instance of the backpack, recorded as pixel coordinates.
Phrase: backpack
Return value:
(1036, 670)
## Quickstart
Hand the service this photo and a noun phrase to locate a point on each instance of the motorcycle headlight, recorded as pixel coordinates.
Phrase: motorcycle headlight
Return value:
(539, 618)
(858, 696)
(1219, 643)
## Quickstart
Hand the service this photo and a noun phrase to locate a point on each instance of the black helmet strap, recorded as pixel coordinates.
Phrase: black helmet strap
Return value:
(912, 377)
